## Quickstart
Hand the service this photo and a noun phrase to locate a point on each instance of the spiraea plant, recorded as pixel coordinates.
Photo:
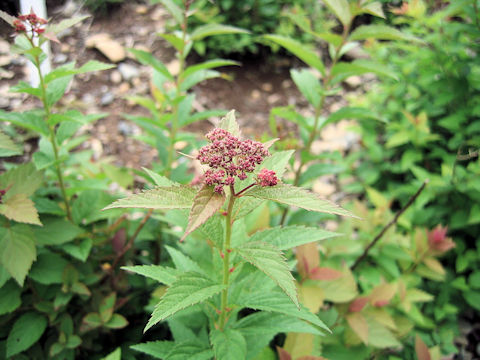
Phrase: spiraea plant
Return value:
(225, 272)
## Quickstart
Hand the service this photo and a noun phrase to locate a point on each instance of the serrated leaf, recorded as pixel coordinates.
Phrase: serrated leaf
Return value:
(115, 355)
(271, 261)
(157, 349)
(228, 344)
(244, 206)
(48, 268)
(176, 41)
(183, 262)
(380, 32)
(341, 9)
(92, 65)
(23, 179)
(21, 209)
(26, 330)
(56, 231)
(159, 180)
(17, 251)
(7, 146)
(205, 204)
(162, 274)
(288, 237)
(215, 29)
(191, 350)
(189, 289)
(299, 197)
(299, 50)
(32, 120)
(266, 322)
(213, 230)
(379, 336)
(277, 301)
(229, 123)
(173, 197)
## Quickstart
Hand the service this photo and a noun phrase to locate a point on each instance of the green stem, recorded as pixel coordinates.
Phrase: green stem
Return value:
(51, 130)
(318, 110)
(226, 259)
(178, 82)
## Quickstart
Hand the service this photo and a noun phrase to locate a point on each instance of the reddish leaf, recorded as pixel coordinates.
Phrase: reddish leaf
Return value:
(205, 205)
(311, 357)
(283, 354)
(118, 240)
(421, 349)
(358, 304)
(307, 258)
(324, 273)
(382, 294)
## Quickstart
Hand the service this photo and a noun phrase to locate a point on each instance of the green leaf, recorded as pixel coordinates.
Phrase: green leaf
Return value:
(56, 231)
(157, 349)
(65, 24)
(147, 58)
(173, 8)
(308, 85)
(264, 322)
(299, 50)
(162, 274)
(207, 65)
(284, 238)
(213, 230)
(205, 204)
(173, 197)
(117, 321)
(8, 147)
(380, 32)
(48, 269)
(375, 9)
(31, 120)
(277, 162)
(56, 88)
(379, 336)
(121, 176)
(21, 209)
(215, 29)
(189, 289)
(353, 113)
(92, 65)
(316, 170)
(159, 180)
(177, 42)
(271, 261)
(115, 355)
(295, 196)
(341, 9)
(191, 350)
(26, 330)
(23, 179)
(10, 297)
(79, 250)
(107, 306)
(343, 70)
(276, 301)
(17, 251)
(473, 299)
(228, 344)
(183, 262)
(229, 123)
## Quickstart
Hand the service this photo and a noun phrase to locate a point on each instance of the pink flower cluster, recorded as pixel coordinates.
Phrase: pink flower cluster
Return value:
(229, 158)
(33, 20)
(267, 178)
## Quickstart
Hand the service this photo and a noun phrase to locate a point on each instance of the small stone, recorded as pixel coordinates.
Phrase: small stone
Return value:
(88, 99)
(255, 94)
(174, 67)
(107, 99)
(159, 13)
(108, 47)
(5, 60)
(128, 71)
(5, 74)
(267, 87)
(125, 128)
(273, 99)
(65, 48)
(4, 47)
(141, 9)
(286, 84)
(116, 77)
(60, 58)
(123, 88)
(354, 81)
(4, 103)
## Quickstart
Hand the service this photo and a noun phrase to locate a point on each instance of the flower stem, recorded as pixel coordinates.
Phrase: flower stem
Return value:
(226, 259)
(51, 129)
